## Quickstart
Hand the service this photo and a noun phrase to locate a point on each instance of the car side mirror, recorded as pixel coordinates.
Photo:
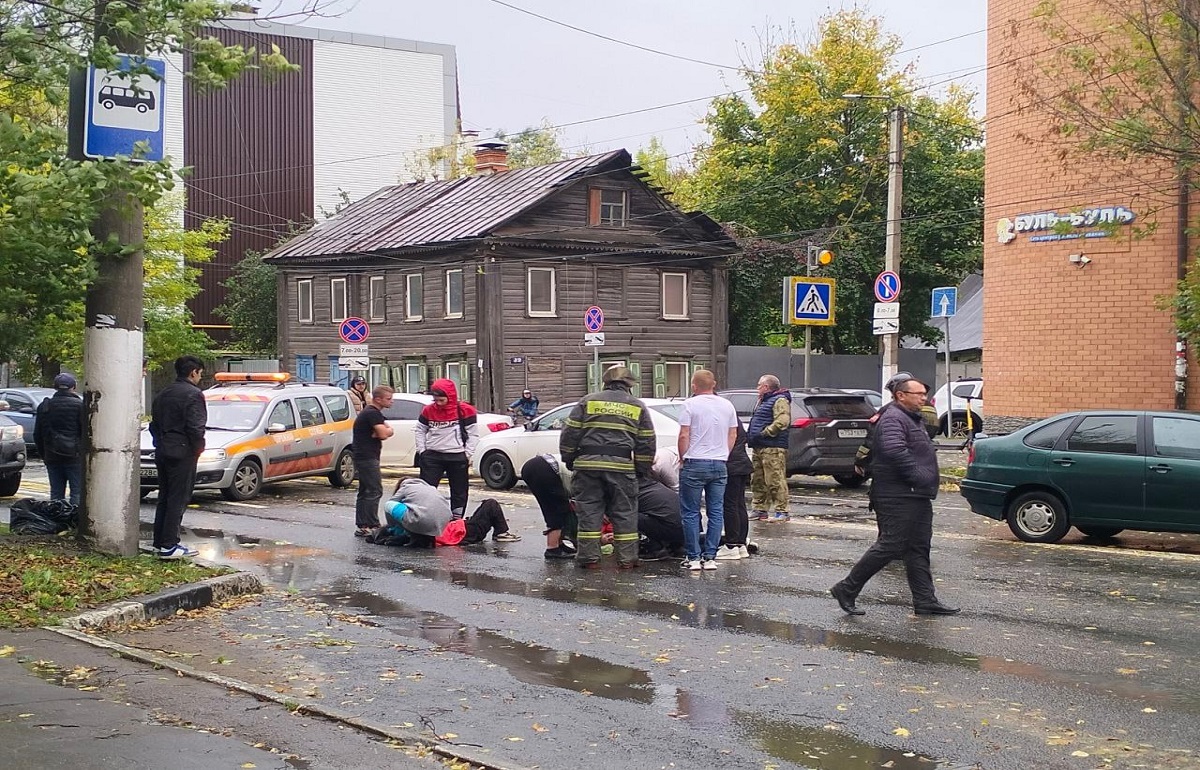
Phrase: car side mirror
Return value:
(528, 426)
(276, 427)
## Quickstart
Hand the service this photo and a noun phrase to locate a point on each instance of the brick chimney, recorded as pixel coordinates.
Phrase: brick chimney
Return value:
(491, 158)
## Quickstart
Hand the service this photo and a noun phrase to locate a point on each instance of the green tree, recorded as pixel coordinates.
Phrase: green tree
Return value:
(49, 201)
(535, 146)
(797, 163)
(655, 161)
(172, 254)
(250, 305)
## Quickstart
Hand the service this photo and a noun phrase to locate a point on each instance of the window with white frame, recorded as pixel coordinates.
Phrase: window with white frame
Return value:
(414, 297)
(304, 301)
(414, 378)
(337, 300)
(541, 299)
(454, 293)
(378, 298)
(675, 296)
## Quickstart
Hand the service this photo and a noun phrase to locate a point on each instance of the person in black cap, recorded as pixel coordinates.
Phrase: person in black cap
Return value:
(58, 435)
(358, 393)
(904, 469)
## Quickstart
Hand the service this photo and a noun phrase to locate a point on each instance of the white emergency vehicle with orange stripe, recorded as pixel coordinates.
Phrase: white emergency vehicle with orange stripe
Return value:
(263, 428)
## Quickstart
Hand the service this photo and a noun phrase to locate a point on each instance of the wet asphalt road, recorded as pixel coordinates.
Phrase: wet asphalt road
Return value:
(1079, 655)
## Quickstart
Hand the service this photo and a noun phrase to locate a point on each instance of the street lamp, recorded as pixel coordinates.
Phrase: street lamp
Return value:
(891, 256)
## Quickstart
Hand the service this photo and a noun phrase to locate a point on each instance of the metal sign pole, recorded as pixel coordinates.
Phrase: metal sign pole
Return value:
(949, 395)
(807, 328)
(596, 369)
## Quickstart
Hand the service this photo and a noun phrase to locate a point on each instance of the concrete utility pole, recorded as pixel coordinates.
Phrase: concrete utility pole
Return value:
(112, 359)
(891, 258)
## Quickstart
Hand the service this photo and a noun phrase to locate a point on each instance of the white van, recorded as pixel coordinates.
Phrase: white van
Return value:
(965, 407)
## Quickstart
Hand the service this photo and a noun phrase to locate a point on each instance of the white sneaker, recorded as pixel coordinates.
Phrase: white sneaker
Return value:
(728, 553)
(691, 565)
(743, 553)
(708, 564)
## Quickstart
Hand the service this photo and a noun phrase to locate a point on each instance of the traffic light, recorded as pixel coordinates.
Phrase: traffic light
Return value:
(819, 257)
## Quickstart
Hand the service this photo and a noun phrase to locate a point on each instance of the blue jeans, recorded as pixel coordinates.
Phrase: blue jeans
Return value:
(709, 477)
(60, 474)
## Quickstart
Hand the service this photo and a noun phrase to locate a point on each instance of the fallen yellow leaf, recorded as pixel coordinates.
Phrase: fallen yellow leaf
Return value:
(902, 732)
(514, 738)
(7, 650)
(249, 764)
(539, 728)
(1079, 754)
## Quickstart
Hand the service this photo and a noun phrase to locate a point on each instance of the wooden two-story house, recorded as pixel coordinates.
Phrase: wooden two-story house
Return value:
(486, 279)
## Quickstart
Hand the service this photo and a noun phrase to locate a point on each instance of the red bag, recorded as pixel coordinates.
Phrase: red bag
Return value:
(453, 534)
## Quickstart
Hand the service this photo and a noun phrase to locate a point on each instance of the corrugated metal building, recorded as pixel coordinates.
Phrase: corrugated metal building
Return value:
(269, 152)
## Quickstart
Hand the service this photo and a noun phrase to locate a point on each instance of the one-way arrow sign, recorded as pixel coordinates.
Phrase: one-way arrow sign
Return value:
(943, 302)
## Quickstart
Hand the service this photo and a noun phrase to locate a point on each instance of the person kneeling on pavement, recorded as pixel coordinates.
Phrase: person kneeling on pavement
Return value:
(660, 524)
(419, 517)
(547, 479)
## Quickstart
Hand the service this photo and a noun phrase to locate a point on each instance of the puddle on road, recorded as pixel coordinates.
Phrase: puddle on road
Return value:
(291, 566)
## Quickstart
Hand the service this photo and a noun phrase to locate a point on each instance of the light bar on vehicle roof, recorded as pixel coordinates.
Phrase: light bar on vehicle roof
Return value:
(252, 376)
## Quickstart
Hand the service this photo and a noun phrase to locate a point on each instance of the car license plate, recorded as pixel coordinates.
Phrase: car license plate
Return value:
(852, 433)
(149, 473)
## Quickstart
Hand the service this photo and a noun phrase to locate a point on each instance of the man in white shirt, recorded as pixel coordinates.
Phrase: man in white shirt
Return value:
(707, 433)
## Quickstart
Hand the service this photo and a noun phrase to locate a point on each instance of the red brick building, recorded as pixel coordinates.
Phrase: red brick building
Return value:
(1077, 251)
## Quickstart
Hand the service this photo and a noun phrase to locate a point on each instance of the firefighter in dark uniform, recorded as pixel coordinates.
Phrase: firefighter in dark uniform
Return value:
(607, 441)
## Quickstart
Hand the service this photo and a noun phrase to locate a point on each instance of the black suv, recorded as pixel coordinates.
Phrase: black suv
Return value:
(828, 426)
(12, 456)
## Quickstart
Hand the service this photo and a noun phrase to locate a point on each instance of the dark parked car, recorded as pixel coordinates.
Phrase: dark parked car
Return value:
(22, 409)
(828, 426)
(12, 456)
(1099, 471)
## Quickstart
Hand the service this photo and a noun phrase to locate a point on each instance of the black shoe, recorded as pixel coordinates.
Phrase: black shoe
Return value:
(845, 600)
(559, 553)
(937, 608)
(661, 554)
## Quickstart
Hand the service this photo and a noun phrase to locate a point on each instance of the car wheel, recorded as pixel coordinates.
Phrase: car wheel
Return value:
(958, 425)
(1100, 532)
(108, 104)
(849, 479)
(342, 475)
(142, 108)
(247, 481)
(1038, 517)
(497, 471)
(10, 484)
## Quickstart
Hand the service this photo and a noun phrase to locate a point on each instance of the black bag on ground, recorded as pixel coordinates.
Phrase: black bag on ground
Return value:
(41, 517)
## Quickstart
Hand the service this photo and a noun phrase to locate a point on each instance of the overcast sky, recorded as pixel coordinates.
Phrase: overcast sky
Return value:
(516, 70)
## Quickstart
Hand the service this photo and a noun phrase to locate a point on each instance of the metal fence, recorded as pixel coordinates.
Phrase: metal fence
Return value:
(747, 363)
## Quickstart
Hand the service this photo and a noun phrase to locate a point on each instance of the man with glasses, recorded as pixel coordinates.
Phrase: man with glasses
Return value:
(904, 469)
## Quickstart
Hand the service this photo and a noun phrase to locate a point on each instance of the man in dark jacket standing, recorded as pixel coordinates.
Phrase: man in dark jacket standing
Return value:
(608, 440)
(904, 467)
(178, 416)
(768, 437)
(58, 434)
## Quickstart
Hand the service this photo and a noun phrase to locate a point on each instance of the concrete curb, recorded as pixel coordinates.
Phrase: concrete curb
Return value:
(411, 738)
(165, 603)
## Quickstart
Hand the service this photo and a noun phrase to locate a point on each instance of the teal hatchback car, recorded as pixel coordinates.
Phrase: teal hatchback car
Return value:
(1099, 471)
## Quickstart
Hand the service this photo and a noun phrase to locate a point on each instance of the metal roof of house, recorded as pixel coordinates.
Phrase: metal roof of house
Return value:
(426, 213)
(966, 326)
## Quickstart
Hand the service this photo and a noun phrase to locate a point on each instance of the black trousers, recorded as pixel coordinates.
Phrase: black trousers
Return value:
(547, 488)
(905, 533)
(370, 492)
(434, 465)
(176, 478)
(488, 516)
(737, 519)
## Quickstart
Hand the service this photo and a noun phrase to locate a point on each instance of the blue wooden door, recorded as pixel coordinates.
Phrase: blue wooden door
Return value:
(306, 368)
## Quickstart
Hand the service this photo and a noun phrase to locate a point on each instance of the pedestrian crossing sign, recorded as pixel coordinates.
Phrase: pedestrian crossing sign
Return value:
(808, 301)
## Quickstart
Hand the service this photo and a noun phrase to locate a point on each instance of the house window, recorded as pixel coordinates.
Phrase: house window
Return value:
(678, 380)
(675, 296)
(606, 207)
(414, 377)
(378, 298)
(337, 300)
(541, 299)
(459, 373)
(414, 297)
(304, 303)
(454, 293)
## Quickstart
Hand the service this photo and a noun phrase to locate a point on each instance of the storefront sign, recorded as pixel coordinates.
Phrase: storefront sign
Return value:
(1086, 223)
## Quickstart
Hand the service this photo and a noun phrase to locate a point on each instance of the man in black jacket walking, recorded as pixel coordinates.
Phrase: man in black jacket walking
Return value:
(58, 434)
(904, 469)
(177, 420)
